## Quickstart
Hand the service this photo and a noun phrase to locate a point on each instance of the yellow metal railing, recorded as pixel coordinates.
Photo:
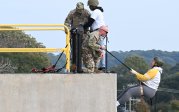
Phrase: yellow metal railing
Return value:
(31, 27)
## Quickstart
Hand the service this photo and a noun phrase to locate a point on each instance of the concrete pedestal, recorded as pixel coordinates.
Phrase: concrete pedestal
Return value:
(58, 92)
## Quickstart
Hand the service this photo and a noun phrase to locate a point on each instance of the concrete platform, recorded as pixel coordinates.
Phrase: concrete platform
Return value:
(58, 92)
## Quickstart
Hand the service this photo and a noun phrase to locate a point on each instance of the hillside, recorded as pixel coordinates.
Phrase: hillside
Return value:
(20, 62)
(171, 58)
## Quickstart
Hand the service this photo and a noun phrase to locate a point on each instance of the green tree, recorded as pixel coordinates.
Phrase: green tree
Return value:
(21, 62)
(175, 105)
(124, 76)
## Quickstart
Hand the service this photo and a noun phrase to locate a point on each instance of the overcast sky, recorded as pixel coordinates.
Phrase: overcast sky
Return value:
(133, 24)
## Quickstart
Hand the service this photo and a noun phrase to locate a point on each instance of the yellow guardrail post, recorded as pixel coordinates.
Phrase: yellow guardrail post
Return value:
(30, 27)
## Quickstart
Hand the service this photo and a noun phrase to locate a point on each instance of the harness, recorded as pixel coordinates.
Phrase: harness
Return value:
(50, 69)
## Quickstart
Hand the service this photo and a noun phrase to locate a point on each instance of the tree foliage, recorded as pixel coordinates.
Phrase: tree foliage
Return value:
(21, 62)
(170, 58)
(124, 76)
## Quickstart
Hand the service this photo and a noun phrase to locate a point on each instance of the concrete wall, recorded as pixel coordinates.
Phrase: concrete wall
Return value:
(58, 93)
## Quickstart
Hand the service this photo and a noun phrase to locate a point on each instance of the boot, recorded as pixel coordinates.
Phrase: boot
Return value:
(86, 70)
(98, 71)
(121, 108)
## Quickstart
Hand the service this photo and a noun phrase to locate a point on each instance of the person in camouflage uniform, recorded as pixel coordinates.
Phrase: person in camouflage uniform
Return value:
(92, 50)
(77, 17)
(75, 21)
(95, 21)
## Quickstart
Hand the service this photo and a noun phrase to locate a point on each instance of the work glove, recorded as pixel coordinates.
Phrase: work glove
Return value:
(73, 30)
(133, 71)
(102, 48)
(86, 30)
(102, 55)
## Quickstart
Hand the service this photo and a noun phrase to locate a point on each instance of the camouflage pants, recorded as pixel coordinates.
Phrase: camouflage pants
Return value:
(90, 60)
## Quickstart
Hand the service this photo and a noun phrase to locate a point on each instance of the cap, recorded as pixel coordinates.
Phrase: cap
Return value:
(79, 6)
(93, 2)
(105, 28)
(158, 62)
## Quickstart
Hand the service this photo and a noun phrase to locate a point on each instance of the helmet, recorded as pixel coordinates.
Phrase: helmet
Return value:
(158, 62)
(105, 28)
(93, 2)
(79, 6)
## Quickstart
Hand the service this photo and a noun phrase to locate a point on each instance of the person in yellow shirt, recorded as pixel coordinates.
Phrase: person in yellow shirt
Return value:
(149, 83)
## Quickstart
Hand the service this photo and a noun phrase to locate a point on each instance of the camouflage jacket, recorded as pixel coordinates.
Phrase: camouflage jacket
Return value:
(90, 44)
(74, 19)
(94, 39)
